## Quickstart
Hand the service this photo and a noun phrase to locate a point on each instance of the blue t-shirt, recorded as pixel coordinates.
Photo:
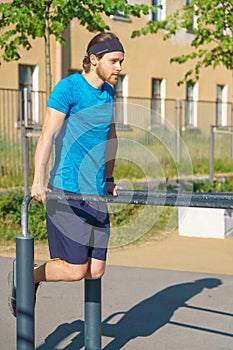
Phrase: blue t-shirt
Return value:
(80, 147)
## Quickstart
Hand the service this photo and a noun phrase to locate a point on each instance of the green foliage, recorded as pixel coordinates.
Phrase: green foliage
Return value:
(131, 224)
(9, 206)
(212, 34)
(220, 166)
(123, 214)
(10, 217)
(127, 169)
(224, 185)
(24, 20)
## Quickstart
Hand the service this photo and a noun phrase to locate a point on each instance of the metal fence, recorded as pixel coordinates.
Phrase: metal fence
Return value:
(169, 128)
(185, 115)
(20, 110)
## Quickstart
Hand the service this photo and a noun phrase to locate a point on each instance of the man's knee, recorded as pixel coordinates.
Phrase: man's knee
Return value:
(95, 272)
(76, 272)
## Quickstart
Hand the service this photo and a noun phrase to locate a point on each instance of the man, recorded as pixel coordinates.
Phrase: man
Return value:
(79, 119)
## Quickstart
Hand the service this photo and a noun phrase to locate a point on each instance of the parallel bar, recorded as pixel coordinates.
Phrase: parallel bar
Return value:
(25, 257)
(158, 198)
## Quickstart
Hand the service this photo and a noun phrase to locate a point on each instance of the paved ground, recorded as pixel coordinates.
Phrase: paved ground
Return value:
(179, 253)
(181, 298)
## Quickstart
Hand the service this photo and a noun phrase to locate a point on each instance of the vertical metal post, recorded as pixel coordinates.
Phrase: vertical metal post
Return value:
(92, 326)
(178, 131)
(24, 138)
(25, 159)
(25, 293)
(232, 130)
(25, 284)
(211, 165)
(25, 107)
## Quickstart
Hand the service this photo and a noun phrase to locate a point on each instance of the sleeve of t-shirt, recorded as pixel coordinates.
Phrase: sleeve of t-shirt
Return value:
(61, 97)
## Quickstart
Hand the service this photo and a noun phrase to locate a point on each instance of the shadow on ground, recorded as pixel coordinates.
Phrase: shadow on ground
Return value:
(142, 320)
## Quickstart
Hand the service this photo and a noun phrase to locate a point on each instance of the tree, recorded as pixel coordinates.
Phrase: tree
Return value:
(211, 23)
(24, 20)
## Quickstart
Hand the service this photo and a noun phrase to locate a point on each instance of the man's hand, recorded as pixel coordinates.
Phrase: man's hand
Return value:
(38, 192)
(112, 188)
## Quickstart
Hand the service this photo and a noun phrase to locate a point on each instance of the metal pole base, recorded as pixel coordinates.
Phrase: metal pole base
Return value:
(25, 292)
(92, 327)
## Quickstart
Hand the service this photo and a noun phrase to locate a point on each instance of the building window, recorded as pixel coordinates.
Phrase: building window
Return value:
(221, 105)
(29, 99)
(193, 20)
(121, 94)
(160, 14)
(157, 102)
(191, 105)
(119, 16)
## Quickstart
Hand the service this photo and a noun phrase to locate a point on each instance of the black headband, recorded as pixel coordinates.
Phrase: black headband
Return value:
(103, 47)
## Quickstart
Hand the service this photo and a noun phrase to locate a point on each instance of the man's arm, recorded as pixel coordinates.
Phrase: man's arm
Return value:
(51, 127)
(111, 156)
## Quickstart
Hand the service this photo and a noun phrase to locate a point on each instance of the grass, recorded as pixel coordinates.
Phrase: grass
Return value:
(141, 223)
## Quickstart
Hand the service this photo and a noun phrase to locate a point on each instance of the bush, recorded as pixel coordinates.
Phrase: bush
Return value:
(10, 217)
(221, 185)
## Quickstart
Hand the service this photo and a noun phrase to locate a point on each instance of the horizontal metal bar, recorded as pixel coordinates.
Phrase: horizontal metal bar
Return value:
(220, 200)
(158, 198)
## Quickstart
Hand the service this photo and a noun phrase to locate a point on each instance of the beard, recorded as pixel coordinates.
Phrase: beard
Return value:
(105, 77)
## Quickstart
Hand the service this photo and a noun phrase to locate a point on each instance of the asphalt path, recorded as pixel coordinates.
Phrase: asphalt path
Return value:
(143, 308)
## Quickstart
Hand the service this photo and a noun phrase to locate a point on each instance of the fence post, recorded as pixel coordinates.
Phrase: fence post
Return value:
(24, 117)
(232, 130)
(178, 133)
(211, 165)
(25, 159)
(92, 325)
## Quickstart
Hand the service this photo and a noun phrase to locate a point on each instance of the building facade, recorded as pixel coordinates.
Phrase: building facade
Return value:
(147, 74)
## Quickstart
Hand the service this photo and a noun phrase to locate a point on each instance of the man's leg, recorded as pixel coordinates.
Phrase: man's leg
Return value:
(59, 270)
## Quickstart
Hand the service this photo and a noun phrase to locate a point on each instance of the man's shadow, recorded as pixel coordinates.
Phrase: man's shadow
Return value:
(142, 320)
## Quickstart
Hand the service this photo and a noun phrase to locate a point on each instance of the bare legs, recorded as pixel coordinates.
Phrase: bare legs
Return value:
(59, 270)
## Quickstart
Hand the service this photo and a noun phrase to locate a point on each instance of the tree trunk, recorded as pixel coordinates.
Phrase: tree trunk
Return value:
(47, 51)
